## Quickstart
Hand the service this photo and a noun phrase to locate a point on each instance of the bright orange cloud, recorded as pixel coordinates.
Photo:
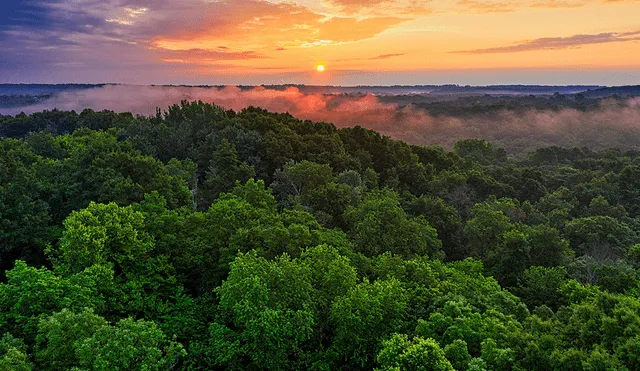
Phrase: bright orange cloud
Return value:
(351, 29)
(250, 24)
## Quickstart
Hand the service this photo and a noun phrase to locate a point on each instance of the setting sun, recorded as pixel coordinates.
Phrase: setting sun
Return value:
(320, 68)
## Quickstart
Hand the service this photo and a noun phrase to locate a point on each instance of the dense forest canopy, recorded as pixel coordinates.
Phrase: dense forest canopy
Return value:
(204, 238)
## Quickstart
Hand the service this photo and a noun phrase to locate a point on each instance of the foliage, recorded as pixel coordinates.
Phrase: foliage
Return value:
(204, 238)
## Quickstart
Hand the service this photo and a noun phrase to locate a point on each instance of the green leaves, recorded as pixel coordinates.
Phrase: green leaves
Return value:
(115, 237)
(272, 304)
(59, 336)
(379, 224)
(602, 237)
(367, 313)
(223, 173)
(400, 353)
(100, 234)
(30, 293)
(157, 233)
(129, 345)
(13, 354)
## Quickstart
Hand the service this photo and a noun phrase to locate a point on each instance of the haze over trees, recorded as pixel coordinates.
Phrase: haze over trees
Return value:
(518, 118)
(203, 238)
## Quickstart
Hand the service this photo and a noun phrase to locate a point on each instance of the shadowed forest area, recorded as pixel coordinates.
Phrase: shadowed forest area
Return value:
(204, 238)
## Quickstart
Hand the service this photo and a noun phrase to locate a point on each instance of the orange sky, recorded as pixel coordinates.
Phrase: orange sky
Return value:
(405, 36)
(246, 40)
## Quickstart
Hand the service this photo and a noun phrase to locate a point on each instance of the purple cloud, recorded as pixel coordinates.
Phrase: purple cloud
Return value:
(555, 43)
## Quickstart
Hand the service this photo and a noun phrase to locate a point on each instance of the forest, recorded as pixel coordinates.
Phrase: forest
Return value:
(202, 238)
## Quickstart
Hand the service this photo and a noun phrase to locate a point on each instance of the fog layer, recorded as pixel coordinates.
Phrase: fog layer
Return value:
(610, 125)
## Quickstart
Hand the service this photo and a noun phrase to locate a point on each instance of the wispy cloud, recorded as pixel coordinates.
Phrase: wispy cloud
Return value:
(504, 6)
(486, 6)
(556, 43)
(198, 56)
(386, 56)
(359, 3)
(382, 7)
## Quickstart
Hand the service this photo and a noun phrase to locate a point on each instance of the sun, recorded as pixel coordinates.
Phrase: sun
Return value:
(320, 68)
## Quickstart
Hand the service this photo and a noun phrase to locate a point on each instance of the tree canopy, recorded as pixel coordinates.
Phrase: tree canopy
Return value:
(203, 238)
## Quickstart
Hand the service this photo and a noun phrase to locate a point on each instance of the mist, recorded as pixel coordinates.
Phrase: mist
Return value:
(611, 125)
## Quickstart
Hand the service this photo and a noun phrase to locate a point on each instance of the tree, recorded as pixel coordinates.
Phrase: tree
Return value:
(30, 293)
(13, 354)
(366, 314)
(541, 286)
(484, 232)
(601, 237)
(25, 217)
(418, 354)
(379, 224)
(480, 151)
(100, 234)
(60, 334)
(113, 236)
(497, 358)
(444, 219)
(129, 345)
(225, 170)
(272, 304)
(458, 354)
(546, 246)
(510, 259)
(296, 179)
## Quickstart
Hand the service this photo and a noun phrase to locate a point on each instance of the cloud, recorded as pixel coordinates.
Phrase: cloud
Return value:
(487, 6)
(385, 56)
(356, 5)
(505, 6)
(555, 43)
(410, 8)
(363, 3)
(492, 6)
(37, 35)
(559, 4)
(352, 29)
(198, 24)
(199, 56)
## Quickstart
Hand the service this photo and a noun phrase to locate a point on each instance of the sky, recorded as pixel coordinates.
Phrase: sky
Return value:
(365, 42)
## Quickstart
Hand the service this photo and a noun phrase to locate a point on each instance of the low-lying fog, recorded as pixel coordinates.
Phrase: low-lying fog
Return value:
(611, 124)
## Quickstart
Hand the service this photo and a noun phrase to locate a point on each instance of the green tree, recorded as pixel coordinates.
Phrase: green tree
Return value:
(30, 293)
(59, 336)
(367, 313)
(480, 151)
(13, 354)
(113, 236)
(444, 219)
(401, 354)
(379, 224)
(602, 237)
(129, 345)
(224, 171)
(272, 304)
(484, 232)
(541, 286)
(458, 354)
